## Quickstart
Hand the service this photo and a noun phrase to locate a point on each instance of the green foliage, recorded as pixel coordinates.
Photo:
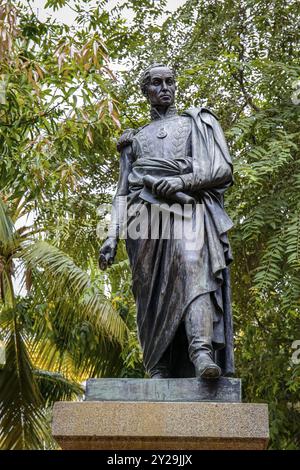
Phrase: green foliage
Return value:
(22, 421)
(63, 331)
(57, 118)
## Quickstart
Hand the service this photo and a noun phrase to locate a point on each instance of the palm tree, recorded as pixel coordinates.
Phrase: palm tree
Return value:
(61, 332)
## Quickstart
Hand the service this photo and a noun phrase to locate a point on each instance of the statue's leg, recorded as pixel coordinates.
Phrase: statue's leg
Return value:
(161, 370)
(199, 330)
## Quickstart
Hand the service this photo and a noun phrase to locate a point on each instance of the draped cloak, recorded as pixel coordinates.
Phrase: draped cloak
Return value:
(167, 278)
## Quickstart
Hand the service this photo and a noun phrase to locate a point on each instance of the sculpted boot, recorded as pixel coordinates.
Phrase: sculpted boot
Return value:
(199, 331)
(159, 374)
(205, 367)
(161, 370)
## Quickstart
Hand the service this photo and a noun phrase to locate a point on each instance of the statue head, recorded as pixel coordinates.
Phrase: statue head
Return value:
(158, 85)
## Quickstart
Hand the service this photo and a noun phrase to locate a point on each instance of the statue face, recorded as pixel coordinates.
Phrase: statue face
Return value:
(162, 86)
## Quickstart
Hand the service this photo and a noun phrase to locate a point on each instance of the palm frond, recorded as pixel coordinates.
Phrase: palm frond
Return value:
(55, 387)
(22, 422)
(64, 276)
(7, 230)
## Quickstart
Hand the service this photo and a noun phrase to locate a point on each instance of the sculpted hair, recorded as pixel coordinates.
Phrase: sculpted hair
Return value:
(145, 77)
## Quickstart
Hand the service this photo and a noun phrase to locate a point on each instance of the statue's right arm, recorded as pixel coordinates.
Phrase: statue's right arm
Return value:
(119, 205)
(120, 199)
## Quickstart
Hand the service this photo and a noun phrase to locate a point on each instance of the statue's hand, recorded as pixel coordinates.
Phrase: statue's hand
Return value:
(107, 253)
(167, 186)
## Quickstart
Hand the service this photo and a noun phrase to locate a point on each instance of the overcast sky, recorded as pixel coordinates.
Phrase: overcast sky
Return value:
(67, 15)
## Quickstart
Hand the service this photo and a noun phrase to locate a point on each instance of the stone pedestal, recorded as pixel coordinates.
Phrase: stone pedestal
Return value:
(222, 390)
(153, 421)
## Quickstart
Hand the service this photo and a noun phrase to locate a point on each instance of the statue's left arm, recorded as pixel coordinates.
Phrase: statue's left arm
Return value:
(214, 167)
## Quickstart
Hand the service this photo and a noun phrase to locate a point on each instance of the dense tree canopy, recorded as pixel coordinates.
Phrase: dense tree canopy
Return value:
(68, 91)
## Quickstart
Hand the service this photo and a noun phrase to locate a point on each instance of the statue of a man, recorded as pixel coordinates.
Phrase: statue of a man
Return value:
(182, 294)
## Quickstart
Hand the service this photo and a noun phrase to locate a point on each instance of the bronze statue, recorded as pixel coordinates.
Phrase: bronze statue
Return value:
(182, 293)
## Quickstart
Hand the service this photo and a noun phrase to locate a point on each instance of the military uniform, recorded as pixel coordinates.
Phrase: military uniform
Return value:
(178, 291)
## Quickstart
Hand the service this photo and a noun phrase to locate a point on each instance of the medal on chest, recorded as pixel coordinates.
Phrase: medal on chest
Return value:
(162, 133)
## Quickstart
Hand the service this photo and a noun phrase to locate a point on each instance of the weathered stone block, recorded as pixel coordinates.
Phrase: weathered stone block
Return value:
(160, 425)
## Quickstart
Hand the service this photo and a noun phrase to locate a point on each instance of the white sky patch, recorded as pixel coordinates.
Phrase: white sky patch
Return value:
(67, 15)
(18, 279)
